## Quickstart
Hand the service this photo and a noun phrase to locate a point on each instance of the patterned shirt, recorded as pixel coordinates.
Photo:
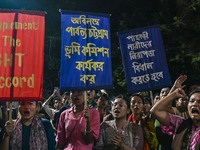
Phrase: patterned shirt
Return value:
(132, 135)
(175, 122)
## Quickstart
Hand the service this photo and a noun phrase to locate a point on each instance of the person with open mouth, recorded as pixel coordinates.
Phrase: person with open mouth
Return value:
(29, 131)
(120, 133)
(185, 132)
(147, 124)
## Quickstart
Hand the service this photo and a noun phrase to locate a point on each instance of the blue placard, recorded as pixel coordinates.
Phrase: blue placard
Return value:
(85, 51)
(144, 59)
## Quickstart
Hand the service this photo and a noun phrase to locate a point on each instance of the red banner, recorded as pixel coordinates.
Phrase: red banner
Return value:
(22, 36)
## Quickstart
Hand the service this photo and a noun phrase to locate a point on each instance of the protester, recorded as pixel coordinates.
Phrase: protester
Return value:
(29, 131)
(146, 108)
(142, 118)
(164, 139)
(56, 104)
(164, 92)
(3, 120)
(4, 114)
(120, 133)
(181, 103)
(186, 132)
(181, 107)
(39, 111)
(78, 126)
(193, 87)
(108, 113)
(66, 100)
(14, 110)
(102, 102)
(15, 106)
(156, 98)
(91, 98)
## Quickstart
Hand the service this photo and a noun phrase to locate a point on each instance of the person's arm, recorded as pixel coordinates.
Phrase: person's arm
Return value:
(88, 131)
(57, 93)
(5, 142)
(49, 99)
(46, 107)
(8, 133)
(138, 142)
(159, 109)
(178, 83)
(106, 117)
(50, 111)
(60, 137)
(5, 113)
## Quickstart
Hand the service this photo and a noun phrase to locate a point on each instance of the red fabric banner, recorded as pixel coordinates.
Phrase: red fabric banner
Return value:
(22, 36)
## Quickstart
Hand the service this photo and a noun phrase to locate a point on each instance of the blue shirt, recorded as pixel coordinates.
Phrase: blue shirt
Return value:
(50, 134)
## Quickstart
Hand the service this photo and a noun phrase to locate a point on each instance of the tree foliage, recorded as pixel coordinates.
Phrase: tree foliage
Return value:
(179, 21)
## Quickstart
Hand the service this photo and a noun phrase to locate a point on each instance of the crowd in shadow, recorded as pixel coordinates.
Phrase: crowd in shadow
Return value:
(171, 120)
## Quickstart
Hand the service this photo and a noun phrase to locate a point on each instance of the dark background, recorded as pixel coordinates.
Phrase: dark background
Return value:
(179, 21)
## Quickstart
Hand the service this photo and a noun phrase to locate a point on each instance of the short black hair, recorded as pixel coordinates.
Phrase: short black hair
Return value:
(56, 98)
(139, 95)
(66, 93)
(125, 99)
(193, 92)
(36, 102)
(39, 103)
(147, 100)
(104, 95)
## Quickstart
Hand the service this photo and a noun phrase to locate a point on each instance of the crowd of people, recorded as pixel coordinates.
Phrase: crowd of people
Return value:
(170, 121)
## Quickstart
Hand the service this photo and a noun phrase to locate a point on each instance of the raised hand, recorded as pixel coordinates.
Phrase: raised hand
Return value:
(106, 117)
(9, 128)
(180, 80)
(178, 83)
(180, 93)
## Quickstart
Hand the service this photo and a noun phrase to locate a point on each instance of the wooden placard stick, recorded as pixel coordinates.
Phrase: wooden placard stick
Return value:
(10, 111)
(151, 95)
(85, 99)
